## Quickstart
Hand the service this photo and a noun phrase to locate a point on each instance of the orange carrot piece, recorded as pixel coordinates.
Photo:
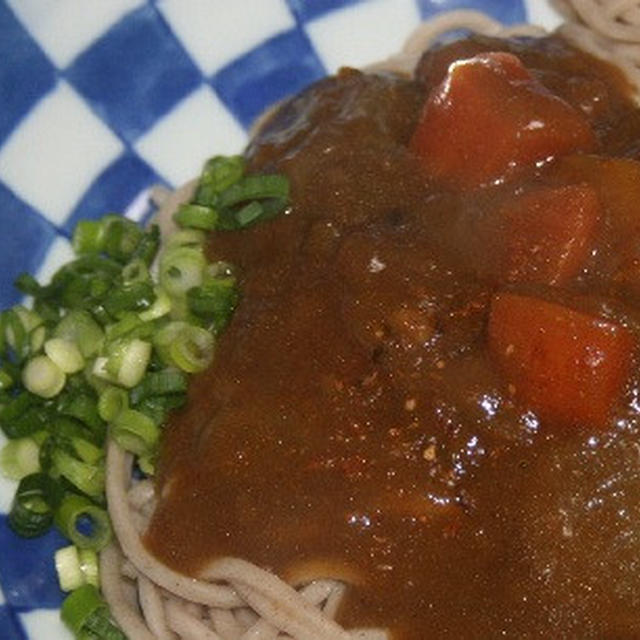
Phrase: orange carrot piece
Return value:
(489, 119)
(568, 366)
(550, 233)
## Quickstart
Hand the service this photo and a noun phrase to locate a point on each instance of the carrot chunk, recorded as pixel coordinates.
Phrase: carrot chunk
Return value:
(568, 366)
(617, 183)
(489, 119)
(549, 233)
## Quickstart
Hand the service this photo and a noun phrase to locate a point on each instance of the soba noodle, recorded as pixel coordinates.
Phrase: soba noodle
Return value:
(234, 599)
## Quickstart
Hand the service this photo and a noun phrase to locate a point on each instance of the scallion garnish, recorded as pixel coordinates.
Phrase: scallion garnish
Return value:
(76, 567)
(43, 377)
(226, 199)
(107, 345)
(87, 477)
(20, 458)
(196, 216)
(135, 431)
(6, 380)
(34, 503)
(83, 522)
(87, 615)
(160, 383)
(181, 268)
(112, 401)
(65, 354)
(185, 346)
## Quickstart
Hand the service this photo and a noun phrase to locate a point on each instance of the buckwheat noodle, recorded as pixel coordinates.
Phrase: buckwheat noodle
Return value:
(233, 599)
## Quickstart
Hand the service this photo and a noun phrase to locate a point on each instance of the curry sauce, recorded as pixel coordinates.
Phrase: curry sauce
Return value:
(356, 422)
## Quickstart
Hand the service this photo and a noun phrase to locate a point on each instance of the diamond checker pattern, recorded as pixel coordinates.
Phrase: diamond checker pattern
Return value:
(101, 100)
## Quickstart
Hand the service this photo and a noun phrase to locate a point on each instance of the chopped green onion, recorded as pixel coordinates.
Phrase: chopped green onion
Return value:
(37, 337)
(146, 464)
(100, 371)
(88, 237)
(89, 478)
(158, 407)
(126, 327)
(43, 377)
(26, 283)
(82, 405)
(76, 512)
(160, 383)
(135, 271)
(161, 307)
(121, 237)
(89, 566)
(36, 498)
(23, 415)
(79, 606)
(185, 346)
(68, 568)
(148, 246)
(134, 431)
(76, 567)
(81, 329)
(29, 319)
(215, 300)
(86, 451)
(196, 216)
(19, 458)
(128, 361)
(112, 401)
(250, 199)
(92, 352)
(249, 214)
(64, 430)
(87, 615)
(6, 380)
(191, 238)
(129, 326)
(15, 334)
(218, 174)
(48, 311)
(255, 188)
(135, 296)
(65, 354)
(180, 269)
(192, 350)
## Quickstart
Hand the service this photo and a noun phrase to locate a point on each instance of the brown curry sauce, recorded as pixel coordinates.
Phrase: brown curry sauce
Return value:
(354, 424)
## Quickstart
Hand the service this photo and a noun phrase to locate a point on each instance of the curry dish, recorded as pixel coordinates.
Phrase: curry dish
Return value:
(429, 388)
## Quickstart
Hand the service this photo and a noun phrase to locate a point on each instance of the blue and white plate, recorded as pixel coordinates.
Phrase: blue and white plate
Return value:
(100, 100)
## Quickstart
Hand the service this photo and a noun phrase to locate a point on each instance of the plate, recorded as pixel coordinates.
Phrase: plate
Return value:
(101, 101)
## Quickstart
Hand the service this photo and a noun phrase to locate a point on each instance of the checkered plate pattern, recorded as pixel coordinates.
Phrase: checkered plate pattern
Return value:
(100, 100)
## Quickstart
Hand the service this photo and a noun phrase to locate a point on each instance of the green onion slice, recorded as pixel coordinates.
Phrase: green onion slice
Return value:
(82, 330)
(135, 431)
(87, 477)
(35, 500)
(181, 268)
(65, 354)
(188, 347)
(87, 615)
(196, 216)
(19, 458)
(76, 567)
(83, 522)
(111, 402)
(43, 377)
